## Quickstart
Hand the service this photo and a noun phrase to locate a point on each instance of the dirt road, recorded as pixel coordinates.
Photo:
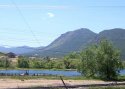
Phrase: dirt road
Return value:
(13, 83)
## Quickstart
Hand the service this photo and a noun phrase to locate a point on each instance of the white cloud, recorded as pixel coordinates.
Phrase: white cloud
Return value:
(51, 15)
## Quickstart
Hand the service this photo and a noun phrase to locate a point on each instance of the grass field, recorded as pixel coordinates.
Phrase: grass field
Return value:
(46, 77)
(120, 78)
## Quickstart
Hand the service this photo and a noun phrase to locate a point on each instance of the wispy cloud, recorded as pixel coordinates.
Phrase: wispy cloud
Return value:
(35, 6)
(51, 15)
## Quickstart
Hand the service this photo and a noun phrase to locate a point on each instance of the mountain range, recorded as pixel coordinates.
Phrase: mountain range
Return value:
(17, 50)
(79, 39)
(75, 41)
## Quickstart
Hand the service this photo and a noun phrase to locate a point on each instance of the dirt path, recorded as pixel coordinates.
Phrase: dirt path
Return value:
(12, 83)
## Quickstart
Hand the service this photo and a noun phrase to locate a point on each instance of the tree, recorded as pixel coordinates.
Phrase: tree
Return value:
(58, 64)
(67, 62)
(88, 65)
(5, 62)
(37, 64)
(101, 60)
(71, 60)
(108, 60)
(23, 62)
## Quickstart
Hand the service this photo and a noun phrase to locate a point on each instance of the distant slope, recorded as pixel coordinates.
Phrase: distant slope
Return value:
(17, 50)
(68, 42)
(116, 36)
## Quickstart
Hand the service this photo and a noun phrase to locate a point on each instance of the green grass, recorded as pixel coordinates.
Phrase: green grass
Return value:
(51, 77)
(42, 77)
(54, 77)
(28, 77)
(121, 78)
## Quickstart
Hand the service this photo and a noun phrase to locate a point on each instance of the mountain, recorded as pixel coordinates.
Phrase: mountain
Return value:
(116, 36)
(73, 41)
(80, 39)
(17, 50)
(68, 42)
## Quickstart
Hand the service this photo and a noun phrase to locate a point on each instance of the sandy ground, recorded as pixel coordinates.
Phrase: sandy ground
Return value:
(13, 83)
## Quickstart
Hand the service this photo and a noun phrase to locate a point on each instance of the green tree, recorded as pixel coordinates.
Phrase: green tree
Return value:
(58, 64)
(50, 64)
(23, 62)
(71, 60)
(108, 60)
(5, 62)
(37, 64)
(88, 65)
(101, 60)
(67, 62)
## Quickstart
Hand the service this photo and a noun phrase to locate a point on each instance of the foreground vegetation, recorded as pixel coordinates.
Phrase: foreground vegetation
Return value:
(101, 60)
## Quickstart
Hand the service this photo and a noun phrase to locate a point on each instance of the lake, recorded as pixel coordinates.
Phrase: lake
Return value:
(47, 72)
(42, 72)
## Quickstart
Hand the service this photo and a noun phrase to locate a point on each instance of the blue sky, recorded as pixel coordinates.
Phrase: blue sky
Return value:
(38, 22)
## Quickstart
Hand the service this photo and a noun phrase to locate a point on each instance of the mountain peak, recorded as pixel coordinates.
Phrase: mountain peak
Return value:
(71, 41)
(83, 30)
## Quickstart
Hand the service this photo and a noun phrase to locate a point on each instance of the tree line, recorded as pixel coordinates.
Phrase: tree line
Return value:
(40, 63)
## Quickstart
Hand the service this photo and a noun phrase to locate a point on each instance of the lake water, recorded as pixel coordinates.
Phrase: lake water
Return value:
(42, 72)
(47, 72)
